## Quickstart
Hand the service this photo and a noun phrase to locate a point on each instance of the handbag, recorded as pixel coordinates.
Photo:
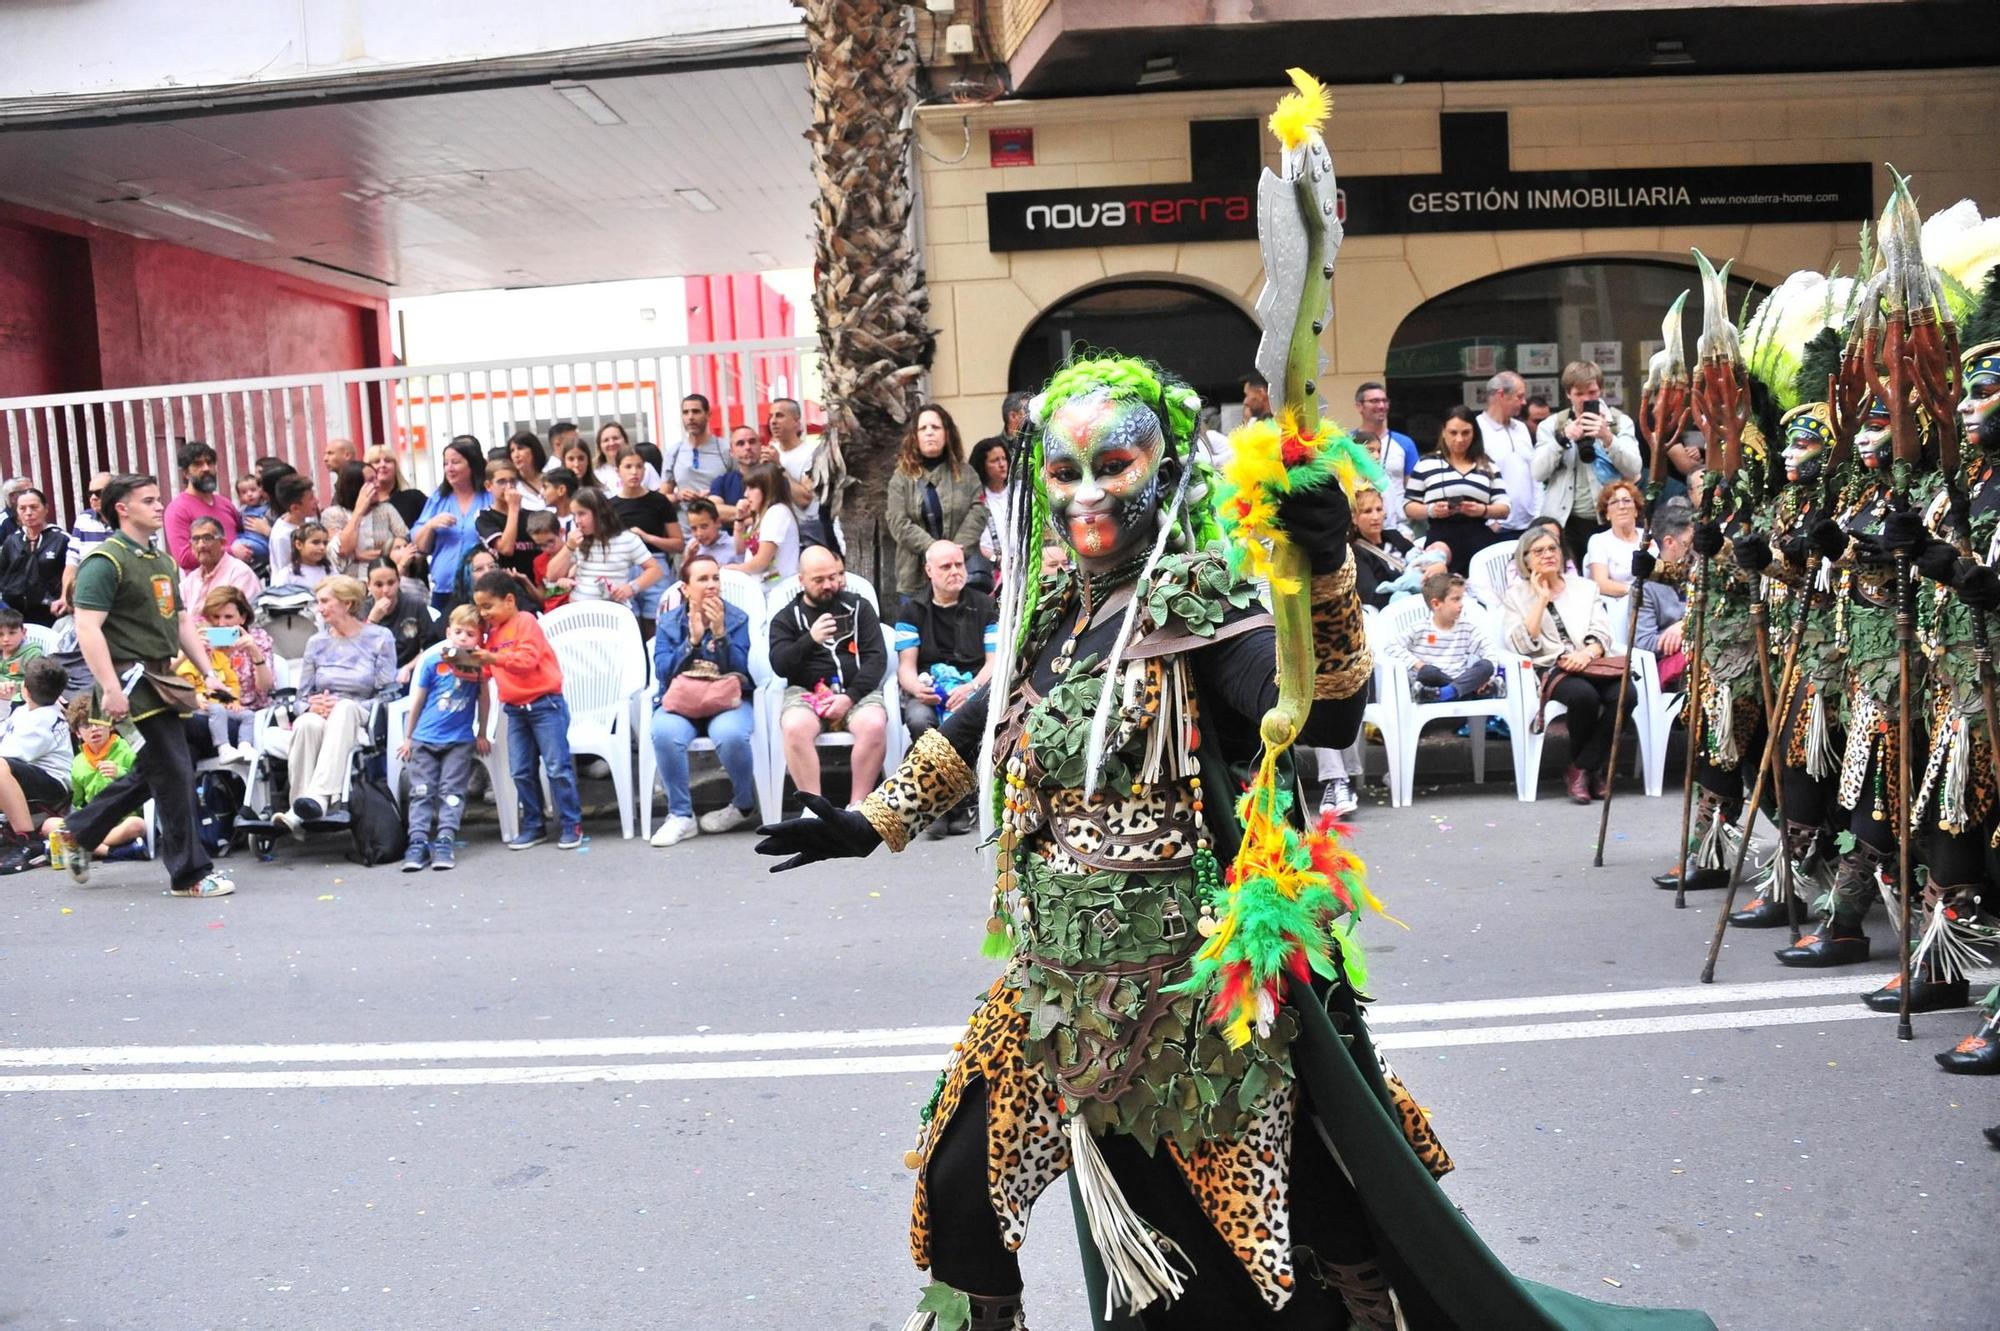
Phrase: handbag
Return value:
(700, 691)
(1602, 667)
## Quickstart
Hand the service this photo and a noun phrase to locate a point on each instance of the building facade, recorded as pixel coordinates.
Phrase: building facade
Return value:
(1489, 225)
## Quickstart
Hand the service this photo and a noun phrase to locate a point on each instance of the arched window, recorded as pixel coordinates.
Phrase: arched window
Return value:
(1534, 321)
(1202, 337)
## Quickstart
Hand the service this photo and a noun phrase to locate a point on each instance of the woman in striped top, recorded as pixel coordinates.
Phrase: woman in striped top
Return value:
(607, 562)
(1458, 489)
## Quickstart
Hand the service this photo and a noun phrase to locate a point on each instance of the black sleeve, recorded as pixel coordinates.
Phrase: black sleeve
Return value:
(791, 646)
(873, 657)
(1241, 674)
(965, 728)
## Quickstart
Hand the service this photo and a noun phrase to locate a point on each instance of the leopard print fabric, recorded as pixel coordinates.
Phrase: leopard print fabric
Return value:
(1244, 1188)
(1340, 638)
(926, 785)
(1025, 1147)
(1151, 831)
(1416, 1124)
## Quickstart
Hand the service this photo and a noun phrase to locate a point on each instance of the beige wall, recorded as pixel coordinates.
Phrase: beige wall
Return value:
(1937, 128)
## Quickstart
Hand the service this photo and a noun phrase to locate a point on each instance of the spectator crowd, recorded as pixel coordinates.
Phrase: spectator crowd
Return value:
(186, 670)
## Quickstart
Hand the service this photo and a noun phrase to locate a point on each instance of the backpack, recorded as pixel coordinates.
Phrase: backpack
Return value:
(375, 821)
(218, 796)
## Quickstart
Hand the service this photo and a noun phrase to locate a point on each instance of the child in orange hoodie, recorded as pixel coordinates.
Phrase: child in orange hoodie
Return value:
(528, 678)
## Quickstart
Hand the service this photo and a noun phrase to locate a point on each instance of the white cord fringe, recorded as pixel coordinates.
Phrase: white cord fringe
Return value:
(1822, 758)
(1138, 1264)
(1953, 947)
(1100, 724)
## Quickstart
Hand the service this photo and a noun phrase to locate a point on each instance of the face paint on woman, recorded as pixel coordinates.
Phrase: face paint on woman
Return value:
(1806, 440)
(1101, 461)
(1979, 409)
(1872, 441)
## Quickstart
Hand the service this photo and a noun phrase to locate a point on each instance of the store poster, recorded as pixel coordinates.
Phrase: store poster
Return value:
(1535, 358)
(1609, 356)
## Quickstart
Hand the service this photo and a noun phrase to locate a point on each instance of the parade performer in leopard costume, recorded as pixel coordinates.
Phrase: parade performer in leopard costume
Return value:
(1185, 1043)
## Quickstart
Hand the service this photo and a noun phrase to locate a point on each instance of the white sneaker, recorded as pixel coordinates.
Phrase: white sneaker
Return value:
(291, 822)
(215, 885)
(725, 819)
(597, 769)
(675, 830)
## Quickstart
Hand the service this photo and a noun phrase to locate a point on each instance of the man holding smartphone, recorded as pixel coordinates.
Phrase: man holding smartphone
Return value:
(827, 646)
(1580, 450)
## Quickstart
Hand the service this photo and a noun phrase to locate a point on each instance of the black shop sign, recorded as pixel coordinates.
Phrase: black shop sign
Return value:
(1475, 190)
(1066, 219)
(1570, 200)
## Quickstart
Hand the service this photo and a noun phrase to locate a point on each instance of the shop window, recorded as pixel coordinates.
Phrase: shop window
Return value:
(1204, 338)
(1534, 321)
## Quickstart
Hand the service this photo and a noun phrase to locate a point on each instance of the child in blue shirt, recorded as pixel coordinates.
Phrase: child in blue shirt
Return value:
(253, 548)
(448, 726)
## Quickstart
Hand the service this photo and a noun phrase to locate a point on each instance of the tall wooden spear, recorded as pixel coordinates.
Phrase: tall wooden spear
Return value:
(1664, 410)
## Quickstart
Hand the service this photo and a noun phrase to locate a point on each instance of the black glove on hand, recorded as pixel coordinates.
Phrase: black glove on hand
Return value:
(1320, 523)
(1751, 552)
(1979, 588)
(1937, 561)
(1643, 565)
(834, 834)
(1796, 550)
(1708, 540)
(1830, 537)
(1903, 531)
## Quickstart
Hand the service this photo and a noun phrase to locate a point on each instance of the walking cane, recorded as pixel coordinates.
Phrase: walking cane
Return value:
(1764, 767)
(1635, 591)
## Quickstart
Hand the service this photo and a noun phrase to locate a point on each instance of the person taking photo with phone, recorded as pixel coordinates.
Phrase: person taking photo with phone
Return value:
(1580, 450)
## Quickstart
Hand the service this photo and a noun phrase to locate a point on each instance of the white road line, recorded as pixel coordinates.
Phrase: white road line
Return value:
(445, 1051)
(926, 1063)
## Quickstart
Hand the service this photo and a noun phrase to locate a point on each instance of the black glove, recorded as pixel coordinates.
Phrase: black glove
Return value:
(1643, 565)
(1830, 537)
(834, 834)
(1708, 540)
(1319, 522)
(1937, 561)
(1751, 552)
(1796, 550)
(1870, 550)
(1979, 588)
(1903, 531)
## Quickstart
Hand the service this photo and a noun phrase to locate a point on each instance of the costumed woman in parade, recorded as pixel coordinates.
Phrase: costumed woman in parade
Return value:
(1728, 706)
(1185, 1044)
(1792, 353)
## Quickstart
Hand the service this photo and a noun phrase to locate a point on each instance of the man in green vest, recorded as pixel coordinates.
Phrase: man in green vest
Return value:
(132, 629)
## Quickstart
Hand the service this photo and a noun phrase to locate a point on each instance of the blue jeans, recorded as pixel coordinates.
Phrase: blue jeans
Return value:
(672, 733)
(538, 735)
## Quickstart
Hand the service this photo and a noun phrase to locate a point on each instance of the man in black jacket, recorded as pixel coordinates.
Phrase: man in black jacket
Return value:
(827, 644)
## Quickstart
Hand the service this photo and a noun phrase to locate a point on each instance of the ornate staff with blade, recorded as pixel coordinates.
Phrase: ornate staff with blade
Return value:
(1721, 407)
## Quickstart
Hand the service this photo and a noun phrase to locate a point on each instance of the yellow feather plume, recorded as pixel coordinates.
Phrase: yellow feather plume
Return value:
(1303, 112)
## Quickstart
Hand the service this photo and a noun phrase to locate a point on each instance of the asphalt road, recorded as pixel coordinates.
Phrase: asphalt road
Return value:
(572, 1126)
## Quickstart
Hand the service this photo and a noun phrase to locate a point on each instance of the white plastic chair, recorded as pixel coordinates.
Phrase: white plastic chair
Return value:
(604, 671)
(1394, 626)
(1654, 712)
(1489, 574)
(497, 774)
(746, 594)
(48, 639)
(771, 696)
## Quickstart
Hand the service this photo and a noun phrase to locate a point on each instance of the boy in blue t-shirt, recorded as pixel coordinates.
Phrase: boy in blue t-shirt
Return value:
(446, 698)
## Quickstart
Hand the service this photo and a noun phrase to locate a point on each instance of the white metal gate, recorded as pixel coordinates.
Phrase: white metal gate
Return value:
(59, 439)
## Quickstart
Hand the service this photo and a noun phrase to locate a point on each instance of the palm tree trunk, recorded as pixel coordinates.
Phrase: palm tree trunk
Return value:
(869, 295)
